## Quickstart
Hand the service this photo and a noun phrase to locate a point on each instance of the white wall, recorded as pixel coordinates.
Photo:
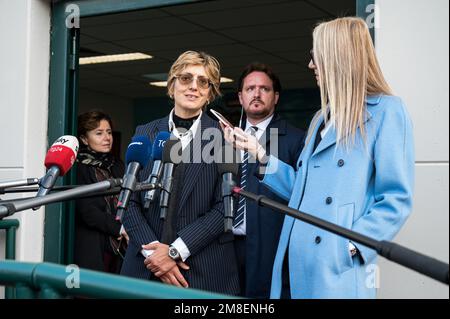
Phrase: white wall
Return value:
(412, 45)
(24, 79)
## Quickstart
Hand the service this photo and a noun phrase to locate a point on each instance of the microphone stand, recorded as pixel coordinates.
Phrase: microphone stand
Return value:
(139, 187)
(21, 182)
(17, 206)
(113, 191)
(423, 264)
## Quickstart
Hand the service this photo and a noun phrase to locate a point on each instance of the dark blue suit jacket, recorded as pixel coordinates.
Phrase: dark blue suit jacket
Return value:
(199, 222)
(263, 225)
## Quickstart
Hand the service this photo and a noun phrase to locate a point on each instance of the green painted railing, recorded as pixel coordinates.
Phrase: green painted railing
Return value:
(48, 281)
(10, 225)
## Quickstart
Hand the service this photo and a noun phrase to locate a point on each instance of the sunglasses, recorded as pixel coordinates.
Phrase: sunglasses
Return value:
(187, 78)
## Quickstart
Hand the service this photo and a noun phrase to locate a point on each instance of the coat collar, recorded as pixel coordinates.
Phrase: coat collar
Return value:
(330, 138)
(373, 99)
(162, 125)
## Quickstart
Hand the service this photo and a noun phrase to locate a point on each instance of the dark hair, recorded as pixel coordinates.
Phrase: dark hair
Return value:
(260, 67)
(90, 121)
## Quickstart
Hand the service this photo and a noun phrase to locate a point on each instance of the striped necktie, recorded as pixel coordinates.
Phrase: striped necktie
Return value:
(242, 207)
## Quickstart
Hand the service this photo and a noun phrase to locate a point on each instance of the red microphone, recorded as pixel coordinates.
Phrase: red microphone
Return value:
(59, 159)
(62, 154)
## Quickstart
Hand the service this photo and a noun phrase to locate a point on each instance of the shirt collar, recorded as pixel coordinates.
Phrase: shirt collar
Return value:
(192, 131)
(262, 126)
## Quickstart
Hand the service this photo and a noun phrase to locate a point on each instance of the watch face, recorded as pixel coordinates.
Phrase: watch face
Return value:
(173, 252)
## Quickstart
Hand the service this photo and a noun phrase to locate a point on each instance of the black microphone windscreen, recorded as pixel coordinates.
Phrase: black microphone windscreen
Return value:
(232, 168)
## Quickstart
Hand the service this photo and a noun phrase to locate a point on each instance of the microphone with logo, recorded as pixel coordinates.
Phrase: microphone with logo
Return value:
(58, 161)
(171, 147)
(157, 151)
(228, 167)
(137, 156)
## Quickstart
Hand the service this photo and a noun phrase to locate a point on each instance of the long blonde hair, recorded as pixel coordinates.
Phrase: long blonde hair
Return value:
(348, 72)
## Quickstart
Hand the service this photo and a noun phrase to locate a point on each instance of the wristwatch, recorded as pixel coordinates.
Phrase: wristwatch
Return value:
(174, 253)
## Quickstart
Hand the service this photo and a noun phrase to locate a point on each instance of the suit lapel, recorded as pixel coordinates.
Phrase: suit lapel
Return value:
(161, 126)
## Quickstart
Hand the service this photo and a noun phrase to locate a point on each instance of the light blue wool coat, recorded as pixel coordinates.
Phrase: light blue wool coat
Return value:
(367, 189)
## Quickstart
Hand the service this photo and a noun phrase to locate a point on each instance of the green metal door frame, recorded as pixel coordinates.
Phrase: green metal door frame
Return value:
(63, 99)
(62, 111)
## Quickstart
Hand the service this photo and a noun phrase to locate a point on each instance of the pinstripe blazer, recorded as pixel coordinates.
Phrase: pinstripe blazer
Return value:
(199, 222)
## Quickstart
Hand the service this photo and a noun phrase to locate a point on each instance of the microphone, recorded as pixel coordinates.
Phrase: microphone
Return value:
(167, 177)
(137, 156)
(228, 168)
(154, 177)
(59, 159)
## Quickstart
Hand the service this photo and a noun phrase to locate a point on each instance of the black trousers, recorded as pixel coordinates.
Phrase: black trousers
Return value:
(239, 247)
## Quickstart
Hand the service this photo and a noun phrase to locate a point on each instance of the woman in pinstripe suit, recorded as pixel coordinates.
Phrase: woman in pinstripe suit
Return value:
(201, 254)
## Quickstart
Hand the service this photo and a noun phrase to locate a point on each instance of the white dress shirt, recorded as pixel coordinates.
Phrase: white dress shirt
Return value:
(184, 137)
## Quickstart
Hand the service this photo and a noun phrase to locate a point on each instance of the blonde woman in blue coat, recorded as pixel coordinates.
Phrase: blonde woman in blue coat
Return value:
(356, 170)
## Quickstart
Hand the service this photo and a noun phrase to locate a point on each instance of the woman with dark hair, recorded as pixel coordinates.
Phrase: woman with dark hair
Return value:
(99, 237)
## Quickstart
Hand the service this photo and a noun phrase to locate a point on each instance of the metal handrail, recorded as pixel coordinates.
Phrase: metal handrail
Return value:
(10, 225)
(48, 280)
